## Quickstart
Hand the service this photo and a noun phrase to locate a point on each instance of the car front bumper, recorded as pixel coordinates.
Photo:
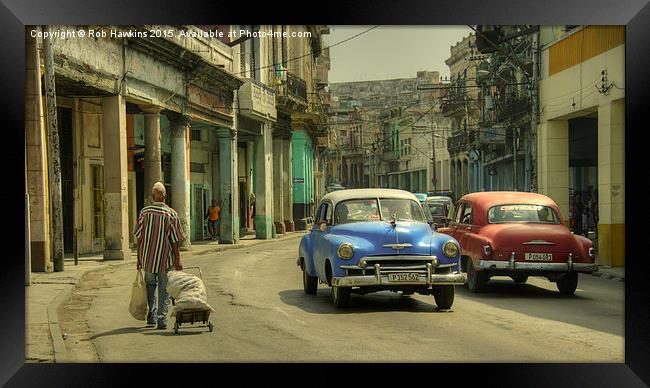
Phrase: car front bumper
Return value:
(537, 266)
(380, 278)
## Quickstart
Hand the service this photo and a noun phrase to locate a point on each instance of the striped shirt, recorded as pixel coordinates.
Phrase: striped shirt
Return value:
(157, 229)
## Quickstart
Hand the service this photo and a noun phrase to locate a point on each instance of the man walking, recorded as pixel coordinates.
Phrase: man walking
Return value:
(212, 215)
(157, 233)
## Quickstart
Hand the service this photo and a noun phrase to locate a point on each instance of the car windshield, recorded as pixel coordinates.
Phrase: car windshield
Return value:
(522, 213)
(359, 210)
(437, 209)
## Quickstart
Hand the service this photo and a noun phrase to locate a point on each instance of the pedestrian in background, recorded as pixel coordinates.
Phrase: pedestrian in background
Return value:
(579, 211)
(585, 221)
(212, 215)
(158, 233)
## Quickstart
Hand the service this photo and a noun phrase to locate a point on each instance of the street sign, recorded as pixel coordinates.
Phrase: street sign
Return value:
(298, 180)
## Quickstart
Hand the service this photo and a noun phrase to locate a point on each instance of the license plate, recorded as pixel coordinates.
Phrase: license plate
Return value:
(538, 256)
(402, 277)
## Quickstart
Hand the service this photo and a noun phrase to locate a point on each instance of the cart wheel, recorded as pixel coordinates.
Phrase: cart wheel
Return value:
(210, 326)
(176, 328)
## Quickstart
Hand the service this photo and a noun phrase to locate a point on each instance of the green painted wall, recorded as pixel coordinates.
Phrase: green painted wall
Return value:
(299, 154)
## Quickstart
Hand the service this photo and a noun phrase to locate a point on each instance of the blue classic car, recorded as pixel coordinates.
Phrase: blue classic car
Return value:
(368, 240)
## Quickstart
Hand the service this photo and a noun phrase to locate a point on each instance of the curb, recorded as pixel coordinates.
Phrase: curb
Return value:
(605, 275)
(60, 351)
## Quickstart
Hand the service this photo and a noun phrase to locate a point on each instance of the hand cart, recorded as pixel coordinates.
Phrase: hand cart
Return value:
(192, 316)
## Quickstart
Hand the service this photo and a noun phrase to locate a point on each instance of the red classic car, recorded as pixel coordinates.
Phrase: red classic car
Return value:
(518, 234)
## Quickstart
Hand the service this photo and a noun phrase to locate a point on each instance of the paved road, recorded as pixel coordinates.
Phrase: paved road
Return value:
(262, 314)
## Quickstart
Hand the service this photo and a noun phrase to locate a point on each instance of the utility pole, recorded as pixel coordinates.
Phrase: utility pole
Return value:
(514, 158)
(433, 146)
(54, 155)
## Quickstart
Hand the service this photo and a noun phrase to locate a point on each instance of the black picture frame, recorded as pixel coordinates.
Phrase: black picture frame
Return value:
(635, 14)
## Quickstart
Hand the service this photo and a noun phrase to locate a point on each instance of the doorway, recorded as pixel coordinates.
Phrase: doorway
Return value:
(66, 147)
(583, 176)
(200, 208)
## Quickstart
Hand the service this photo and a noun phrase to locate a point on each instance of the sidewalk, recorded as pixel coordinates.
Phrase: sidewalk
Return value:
(44, 341)
(614, 273)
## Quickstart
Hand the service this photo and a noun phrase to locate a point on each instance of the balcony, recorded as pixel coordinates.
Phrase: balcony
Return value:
(514, 107)
(257, 101)
(493, 135)
(321, 76)
(292, 92)
(458, 142)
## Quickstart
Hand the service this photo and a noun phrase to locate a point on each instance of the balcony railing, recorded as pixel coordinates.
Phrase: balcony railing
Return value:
(296, 87)
(292, 90)
(457, 142)
(257, 100)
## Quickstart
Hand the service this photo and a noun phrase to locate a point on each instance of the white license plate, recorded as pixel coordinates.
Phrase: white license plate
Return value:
(538, 256)
(402, 277)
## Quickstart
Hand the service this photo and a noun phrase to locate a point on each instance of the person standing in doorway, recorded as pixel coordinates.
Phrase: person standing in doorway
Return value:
(212, 215)
(158, 233)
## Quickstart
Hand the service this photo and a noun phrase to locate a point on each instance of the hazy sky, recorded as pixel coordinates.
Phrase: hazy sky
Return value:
(388, 52)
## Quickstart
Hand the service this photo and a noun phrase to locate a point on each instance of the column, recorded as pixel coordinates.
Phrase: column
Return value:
(287, 179)
(278, 192)
(229, 220)
(36, 167)
(180, 127)
(553, 163)
(249, 186)
(263, 184)
(299, 180)
(152, 150)
(116, 195)
(611, 183)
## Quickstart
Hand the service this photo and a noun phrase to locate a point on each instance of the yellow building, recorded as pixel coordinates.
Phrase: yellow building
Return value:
(581, 131)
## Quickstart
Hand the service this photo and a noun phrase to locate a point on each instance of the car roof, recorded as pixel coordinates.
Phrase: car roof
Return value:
(342, 195)
(438, 198)
(489, 198)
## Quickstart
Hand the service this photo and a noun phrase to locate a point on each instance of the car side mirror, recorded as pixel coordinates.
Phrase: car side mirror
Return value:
(322, 226)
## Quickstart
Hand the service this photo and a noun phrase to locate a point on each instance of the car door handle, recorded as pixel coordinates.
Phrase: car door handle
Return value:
(469, 228)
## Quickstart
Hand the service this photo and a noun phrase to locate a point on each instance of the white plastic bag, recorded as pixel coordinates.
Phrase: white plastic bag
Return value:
(139, 307)
(188, 291)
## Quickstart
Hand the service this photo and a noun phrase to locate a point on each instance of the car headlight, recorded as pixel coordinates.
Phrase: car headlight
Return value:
(592, 252)
(345, 251)
(450, 249)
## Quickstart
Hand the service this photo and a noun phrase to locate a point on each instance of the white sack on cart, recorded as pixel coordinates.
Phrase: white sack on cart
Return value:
(187, 290)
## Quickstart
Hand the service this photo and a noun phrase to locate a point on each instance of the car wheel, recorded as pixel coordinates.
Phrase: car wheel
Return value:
(475, 279)
(568, 284)
(444, 297)
(309, 283)
(340, 296)
(519, 278)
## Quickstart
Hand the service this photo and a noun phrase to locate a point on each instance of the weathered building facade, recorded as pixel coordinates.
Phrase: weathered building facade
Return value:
(180, 109)
(581, 131)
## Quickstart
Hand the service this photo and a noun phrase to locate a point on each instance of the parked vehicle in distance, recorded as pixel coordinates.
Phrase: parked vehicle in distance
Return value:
(438, 213)
(334, 187)
(518, 234)
(368, 240)
(433, 203)
(421, 197)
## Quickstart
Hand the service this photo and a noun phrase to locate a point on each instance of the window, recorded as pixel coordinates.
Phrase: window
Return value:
(467, 215)
(328, 214)
(522, 213)
(459, 212)
(195, 135)
(98, 201)
(197, 167)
